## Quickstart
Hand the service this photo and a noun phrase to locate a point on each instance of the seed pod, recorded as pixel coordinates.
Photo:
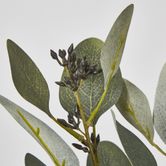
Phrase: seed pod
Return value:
(67, 81)
(97, 139)
(70, 118)
(85, 149)
(53, 54)
(64, 123)
(78, 146)
(92, 138)
(70, 49)
(62, 53)
(60, 83)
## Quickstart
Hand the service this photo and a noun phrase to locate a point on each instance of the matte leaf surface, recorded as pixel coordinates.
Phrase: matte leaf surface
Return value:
(27, 78)
(110, 155)
(134, 106)
(91, 89)
(31, 160)
(55, 143)
(160, 106)
(112, 50)
(136, 150)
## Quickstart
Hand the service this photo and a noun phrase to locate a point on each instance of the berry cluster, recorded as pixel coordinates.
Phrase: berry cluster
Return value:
(78, 69)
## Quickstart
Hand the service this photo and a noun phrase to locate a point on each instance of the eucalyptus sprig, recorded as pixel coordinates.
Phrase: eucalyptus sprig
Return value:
(90, 85)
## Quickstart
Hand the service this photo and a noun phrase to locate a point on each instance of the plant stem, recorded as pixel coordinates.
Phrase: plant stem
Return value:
(76, 135)
(158, 148)
(112, 73)
(95, 143)
(36, 132)
(96, 109)
(94, 132)
(82, 114)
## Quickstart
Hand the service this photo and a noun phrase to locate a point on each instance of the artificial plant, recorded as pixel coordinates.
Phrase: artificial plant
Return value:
(90, 85)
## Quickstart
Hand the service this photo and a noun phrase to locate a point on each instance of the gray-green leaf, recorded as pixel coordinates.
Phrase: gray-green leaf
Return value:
(114, 45)
(136, 150)
(110, 154)
(27, 78)
(134, 106)
(91, 89)
(55, 143)
(160, 106)
(31, 160)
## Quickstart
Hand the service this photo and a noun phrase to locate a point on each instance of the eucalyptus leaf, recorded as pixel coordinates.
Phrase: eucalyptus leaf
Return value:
(55, 143)
(160, 106)
(134, 106)
(31, 160)
(27, 78)
(92, 88)
(136, 150)
(110, 154)
(112, 50)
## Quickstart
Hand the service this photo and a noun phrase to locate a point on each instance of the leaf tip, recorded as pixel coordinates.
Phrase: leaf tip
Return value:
(9, 42)
(130, 7)
(128, 10)
(10, 45)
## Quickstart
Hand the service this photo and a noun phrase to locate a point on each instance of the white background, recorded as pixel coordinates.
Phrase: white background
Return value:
(40, 25)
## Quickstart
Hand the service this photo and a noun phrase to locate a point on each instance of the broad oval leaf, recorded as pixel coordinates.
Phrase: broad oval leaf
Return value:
(134, 106)
(112, 50)
(136, 150)
(92, 88)
(27, 78)
(55, 143)
(31, 160)
(160, 106)
(110, 154)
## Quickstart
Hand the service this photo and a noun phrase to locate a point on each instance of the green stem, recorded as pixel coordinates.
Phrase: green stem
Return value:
(96, 109)
(157, 147)
(82, 114)
(76, 135)
(94, 133)
(95, 143)
(113, 67)
(36, 132)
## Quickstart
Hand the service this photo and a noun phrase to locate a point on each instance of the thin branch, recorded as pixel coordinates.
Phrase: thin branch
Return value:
(76, 135)
(82, 114)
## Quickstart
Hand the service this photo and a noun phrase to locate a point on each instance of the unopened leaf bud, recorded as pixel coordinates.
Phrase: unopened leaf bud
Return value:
(53, 54)
(64, 123)
(78, 146)
(93, 138)
(85, 149)
(62, 53)
(70, 49)
(60, 83)
(71, 118)
(97, 139)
